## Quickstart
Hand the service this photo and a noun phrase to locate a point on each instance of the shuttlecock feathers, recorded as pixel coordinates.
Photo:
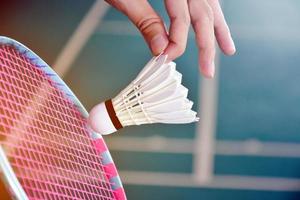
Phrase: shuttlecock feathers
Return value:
(155, 96)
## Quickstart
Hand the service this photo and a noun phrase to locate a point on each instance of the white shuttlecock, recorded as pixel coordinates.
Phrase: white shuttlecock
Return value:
(155, 96)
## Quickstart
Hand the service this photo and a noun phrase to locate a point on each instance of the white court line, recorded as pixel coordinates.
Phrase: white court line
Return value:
(219, 181)
(268, 33)
(154, 144)
(158, 144)
(241, 32)
(257, 148)
(80, 36)
(204, 145)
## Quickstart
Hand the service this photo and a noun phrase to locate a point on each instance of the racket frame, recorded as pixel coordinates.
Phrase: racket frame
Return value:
(8, 175)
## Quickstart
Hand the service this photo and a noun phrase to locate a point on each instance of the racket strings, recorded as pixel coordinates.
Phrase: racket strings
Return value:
(58, 157)
(53, 115)
(33, 83)
(59, 181)
(53, 136)
(44, 135)
(82, 154)
(93, 173)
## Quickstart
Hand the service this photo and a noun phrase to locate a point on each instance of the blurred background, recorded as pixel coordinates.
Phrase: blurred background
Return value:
(247, 143)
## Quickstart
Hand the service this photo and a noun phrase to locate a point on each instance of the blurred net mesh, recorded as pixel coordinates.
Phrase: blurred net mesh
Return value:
(44, 136)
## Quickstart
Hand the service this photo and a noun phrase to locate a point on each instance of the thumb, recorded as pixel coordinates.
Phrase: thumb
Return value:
(147, 21)
(154, 33)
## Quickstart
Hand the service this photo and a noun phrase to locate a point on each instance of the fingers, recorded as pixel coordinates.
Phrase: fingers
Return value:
(222, 31)
(146, 20)
(207, 20)
(203, 23)
(180, 21)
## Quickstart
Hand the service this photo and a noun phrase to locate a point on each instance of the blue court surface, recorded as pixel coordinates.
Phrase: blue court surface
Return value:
(255, 139)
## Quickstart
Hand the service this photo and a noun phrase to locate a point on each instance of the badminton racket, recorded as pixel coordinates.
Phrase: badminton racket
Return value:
(47, 150)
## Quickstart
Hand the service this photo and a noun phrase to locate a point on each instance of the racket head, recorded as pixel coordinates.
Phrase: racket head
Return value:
(112, 187)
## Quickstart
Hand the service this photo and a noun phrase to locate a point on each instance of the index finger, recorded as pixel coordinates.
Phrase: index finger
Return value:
(146, 20)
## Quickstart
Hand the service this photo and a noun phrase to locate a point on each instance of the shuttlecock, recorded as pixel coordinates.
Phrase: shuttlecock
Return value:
(155, 96)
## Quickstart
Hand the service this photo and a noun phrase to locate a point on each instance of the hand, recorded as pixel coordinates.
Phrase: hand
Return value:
(205, 16)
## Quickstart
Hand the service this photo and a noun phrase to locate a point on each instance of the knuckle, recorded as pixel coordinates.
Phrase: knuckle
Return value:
(209, 15)
(208, 47)
(203, 14)
(205, 19)
(184, 19)
(145, 24)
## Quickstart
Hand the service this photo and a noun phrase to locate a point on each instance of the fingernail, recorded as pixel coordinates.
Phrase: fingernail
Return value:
(211, 69)
(232, 45)
(158, 44)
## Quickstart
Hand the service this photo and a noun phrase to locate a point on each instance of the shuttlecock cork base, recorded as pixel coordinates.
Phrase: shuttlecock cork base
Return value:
(103, 118)
(155, 96)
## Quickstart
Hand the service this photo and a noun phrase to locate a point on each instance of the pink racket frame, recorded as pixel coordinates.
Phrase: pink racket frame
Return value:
(98, 141)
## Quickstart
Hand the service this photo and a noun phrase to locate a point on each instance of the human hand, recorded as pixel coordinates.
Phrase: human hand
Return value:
(205, 16)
